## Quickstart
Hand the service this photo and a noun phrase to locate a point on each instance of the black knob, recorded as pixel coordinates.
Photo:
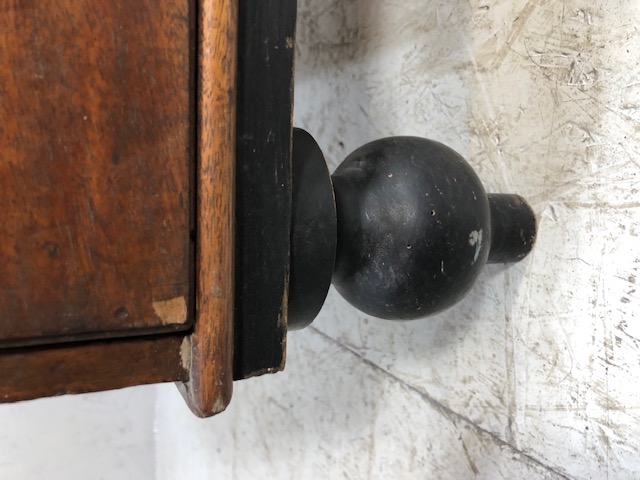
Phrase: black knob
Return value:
(413, 225)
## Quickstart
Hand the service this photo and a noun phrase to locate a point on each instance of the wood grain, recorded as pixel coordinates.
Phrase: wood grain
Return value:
(29, 373)
(209, 388)
(95, 152)
(263, 182)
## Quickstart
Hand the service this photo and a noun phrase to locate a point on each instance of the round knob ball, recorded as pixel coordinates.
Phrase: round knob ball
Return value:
(414, 227)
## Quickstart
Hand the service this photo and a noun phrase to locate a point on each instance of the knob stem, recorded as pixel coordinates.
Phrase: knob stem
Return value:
(513, 228)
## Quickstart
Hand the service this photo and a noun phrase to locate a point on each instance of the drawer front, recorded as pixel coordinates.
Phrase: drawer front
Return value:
(96, 168)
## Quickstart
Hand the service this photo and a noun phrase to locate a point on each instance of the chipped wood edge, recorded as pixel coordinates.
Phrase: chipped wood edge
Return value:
(210, 384)
(265, 109)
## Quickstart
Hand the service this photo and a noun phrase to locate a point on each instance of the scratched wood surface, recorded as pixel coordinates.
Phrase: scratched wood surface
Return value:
(95, 155)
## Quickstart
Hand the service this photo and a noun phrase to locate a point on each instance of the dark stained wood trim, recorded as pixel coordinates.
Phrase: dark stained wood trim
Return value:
(28, 373)
(211, 378)
(266, 32)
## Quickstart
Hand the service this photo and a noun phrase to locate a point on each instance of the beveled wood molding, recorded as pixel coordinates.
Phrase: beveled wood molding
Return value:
(210, 385)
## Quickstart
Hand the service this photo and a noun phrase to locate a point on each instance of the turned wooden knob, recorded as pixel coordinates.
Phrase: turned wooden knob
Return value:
(410, 228)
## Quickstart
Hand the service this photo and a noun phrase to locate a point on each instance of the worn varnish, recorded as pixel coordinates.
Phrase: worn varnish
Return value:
(35, 372)
(95, 154)
(266, 33)
(118, 183)
(211, 377)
